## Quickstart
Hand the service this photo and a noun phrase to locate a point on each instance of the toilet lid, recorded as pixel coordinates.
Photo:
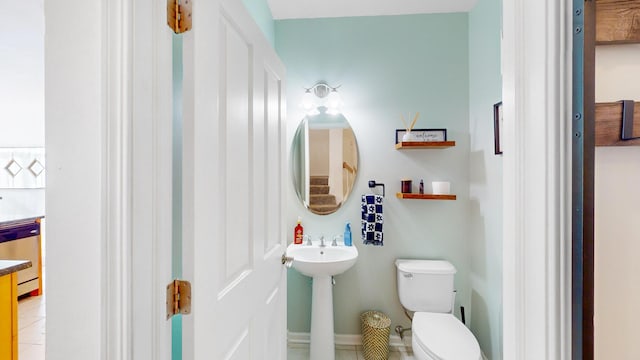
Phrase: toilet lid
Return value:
(443, 336)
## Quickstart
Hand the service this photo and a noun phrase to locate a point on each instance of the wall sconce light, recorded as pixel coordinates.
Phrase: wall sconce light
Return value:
(321, 94)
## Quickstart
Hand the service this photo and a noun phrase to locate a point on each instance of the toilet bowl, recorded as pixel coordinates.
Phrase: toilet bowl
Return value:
(426, 288)
(437, 336)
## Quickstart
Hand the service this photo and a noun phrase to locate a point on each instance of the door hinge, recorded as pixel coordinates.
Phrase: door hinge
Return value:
(179, 15)
(178, 298)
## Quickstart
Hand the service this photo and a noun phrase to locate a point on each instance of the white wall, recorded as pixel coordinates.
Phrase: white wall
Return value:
(22, 94)
(617, 210)
(318, 147)
(335, 163)
(387, 66)
(75, 62)
(485, 177)
(22, 74)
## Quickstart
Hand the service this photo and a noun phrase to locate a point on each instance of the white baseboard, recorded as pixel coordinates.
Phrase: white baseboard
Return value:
(395, 343)
(298, 338)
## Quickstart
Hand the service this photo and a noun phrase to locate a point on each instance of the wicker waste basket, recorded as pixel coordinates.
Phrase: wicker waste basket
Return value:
(375, 335)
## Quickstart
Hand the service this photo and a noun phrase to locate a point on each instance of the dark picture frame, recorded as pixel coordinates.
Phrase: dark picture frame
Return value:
(497, 127)
(423, 135)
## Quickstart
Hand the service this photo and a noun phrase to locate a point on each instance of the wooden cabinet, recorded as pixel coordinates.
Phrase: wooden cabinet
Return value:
(21, 239)
(9, 307)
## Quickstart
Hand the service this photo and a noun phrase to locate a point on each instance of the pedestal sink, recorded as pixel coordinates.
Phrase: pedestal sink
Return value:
(321, 263)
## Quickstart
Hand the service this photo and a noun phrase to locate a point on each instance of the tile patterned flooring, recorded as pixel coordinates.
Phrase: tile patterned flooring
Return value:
(31, 328)
(344, 352)
(31, 337)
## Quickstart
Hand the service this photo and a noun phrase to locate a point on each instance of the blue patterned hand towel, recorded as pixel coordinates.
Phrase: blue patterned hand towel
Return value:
(372, 219)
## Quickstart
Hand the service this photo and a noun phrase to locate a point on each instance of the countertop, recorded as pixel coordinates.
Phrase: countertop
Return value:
(9, 220)
(10, 266)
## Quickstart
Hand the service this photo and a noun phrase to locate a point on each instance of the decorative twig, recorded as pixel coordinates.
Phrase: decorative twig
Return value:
(413, 123)
(405, 123)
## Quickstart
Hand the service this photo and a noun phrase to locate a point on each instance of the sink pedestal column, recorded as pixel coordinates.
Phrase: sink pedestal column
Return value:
(322, 337)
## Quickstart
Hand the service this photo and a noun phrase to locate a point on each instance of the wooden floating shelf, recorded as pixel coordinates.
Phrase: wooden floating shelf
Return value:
(425, 196)
(609, 124)
(425, 144)
(617, 22)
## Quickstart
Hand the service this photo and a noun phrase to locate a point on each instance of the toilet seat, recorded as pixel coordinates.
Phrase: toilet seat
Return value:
(442, 336)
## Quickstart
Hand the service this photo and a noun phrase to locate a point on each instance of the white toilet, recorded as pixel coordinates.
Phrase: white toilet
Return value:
(426, 287)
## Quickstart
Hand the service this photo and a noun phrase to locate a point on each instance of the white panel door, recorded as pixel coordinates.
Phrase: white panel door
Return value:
(233, 174)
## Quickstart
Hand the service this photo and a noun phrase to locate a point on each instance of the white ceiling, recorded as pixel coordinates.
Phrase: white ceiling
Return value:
(304, 9)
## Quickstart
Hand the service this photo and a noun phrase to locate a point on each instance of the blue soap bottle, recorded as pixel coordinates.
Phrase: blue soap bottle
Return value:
(347, 234)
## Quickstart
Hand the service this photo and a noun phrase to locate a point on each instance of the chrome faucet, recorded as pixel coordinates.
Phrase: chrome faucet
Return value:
(322, 244)
(308, 240)
(335, 240)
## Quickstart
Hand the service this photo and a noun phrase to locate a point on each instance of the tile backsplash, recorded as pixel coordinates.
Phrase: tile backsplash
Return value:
(22, 168)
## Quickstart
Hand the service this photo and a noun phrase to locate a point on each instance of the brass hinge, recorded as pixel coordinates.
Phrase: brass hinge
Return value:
(179, 15)
(178, 298)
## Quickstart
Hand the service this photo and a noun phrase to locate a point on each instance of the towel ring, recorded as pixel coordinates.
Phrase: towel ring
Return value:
(373, 184)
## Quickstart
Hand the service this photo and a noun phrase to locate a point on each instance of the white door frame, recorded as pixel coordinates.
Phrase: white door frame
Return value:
(536, 63)
(150, 54)
(139, 184)
(108, 196)
(93, 97)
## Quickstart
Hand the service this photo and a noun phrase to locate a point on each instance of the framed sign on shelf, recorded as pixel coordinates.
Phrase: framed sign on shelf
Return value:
(421, 135)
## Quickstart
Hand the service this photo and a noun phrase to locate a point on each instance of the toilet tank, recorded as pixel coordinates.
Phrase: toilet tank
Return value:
(425, 285)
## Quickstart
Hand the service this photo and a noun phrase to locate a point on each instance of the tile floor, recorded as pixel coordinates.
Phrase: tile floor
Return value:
(31, 337)
(31, 328)
(32, 320)
(343, 352)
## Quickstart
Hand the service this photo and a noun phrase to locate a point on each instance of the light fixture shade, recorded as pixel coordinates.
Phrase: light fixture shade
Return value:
(334, 102)
(321, 95)
(308, 102)
(321, 90)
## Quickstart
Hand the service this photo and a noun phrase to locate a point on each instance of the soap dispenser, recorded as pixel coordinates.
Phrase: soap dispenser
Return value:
(347, 234)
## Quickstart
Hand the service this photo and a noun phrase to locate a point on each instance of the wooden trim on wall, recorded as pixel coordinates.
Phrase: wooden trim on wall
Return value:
(609, 124)
(617, 22)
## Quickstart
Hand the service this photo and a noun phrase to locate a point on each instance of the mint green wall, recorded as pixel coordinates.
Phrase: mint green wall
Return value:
(259, 10)
(485, 177)
(386, 66)
(176, 196)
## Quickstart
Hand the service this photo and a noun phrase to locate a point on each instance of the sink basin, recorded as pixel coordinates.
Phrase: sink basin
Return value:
(314, 260)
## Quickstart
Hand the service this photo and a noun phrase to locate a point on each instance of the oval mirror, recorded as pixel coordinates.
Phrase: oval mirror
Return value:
(324, 161)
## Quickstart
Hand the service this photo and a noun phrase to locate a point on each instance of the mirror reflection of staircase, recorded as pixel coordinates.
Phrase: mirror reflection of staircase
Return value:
(320, 200)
